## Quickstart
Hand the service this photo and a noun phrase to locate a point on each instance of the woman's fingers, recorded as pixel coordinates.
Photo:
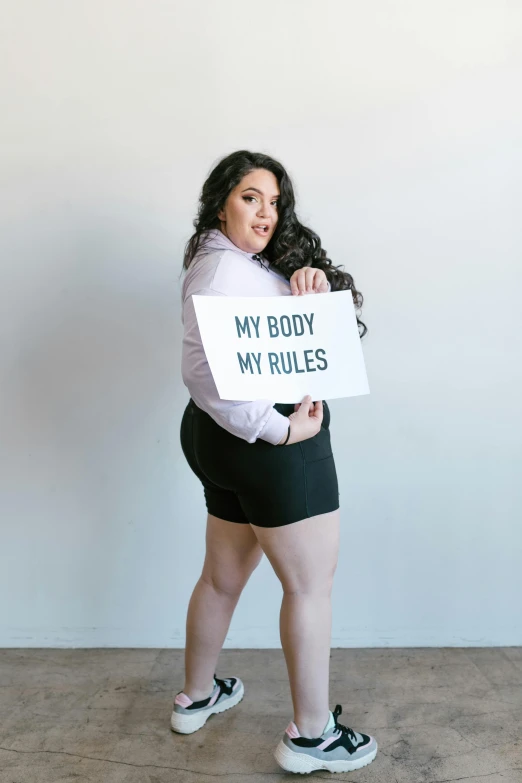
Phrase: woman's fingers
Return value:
(321, 283)
(315, 407)
(308, 280)
(317, 412)
(298, 282)
(306, 405)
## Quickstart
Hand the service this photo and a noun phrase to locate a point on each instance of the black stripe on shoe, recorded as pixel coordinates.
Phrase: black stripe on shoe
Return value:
(224, 688)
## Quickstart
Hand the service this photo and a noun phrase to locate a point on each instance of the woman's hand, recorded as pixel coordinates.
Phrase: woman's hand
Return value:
(308, 280)
(306, 421)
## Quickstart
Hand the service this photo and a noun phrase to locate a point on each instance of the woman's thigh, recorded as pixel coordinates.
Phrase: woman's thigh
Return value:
(232, 553)
(304, 554)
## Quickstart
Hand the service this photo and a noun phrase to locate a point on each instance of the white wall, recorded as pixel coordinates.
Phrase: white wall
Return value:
(400, 123)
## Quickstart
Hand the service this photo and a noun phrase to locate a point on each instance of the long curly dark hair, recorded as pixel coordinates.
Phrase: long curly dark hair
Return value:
(292, 245)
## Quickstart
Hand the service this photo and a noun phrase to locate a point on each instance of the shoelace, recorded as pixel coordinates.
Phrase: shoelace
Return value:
(225, 685)
(343, 729)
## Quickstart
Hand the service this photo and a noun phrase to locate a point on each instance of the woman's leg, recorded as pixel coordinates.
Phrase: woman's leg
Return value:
(304, 557)
(232, 553)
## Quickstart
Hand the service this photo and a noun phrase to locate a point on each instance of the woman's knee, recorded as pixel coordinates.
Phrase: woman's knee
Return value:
(230, 579)
(304, 555)
(309, 582)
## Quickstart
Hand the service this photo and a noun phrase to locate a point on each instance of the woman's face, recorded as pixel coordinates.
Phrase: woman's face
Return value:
(250, 204)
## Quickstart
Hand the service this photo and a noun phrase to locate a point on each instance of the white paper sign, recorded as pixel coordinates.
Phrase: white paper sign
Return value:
(282, 347)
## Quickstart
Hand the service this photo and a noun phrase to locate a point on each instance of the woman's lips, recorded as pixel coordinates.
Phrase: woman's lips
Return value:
(261, 232)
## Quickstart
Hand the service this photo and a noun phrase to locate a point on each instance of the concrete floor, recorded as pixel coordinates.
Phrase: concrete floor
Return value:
(102, 715)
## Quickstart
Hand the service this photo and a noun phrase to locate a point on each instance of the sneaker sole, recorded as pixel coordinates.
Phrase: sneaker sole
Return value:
(303, 764)
(186, 724)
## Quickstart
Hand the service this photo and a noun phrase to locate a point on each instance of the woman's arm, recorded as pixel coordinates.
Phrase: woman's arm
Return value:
(247, 420)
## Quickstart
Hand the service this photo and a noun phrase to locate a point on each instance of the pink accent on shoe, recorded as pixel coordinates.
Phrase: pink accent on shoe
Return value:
(183, 700)
(328, 742)
(236, 686)
(213, 699)
(292, 730)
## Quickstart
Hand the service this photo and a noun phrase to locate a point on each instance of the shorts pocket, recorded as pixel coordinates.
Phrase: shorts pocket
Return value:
(317, 448)
(322, 489)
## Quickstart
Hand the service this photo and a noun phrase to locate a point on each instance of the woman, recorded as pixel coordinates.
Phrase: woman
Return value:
(267, 469)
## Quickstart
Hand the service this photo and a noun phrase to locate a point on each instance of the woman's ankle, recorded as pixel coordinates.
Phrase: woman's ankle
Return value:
(310, 728)
(198, 694)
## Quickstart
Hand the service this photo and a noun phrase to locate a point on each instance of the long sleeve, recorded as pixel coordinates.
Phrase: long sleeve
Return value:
(247, 420)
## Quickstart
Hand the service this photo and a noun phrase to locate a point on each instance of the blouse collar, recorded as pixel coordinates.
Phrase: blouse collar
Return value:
(215, 239)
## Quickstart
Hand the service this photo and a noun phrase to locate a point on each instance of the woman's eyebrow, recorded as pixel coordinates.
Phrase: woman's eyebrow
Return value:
(259, 191)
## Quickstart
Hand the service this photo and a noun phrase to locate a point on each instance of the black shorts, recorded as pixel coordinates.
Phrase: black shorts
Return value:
(257, 482)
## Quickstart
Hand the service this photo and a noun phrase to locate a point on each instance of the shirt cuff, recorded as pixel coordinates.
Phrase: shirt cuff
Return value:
(275, 429)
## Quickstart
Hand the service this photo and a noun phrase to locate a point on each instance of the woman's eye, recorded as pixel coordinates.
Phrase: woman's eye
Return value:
(246, 198)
